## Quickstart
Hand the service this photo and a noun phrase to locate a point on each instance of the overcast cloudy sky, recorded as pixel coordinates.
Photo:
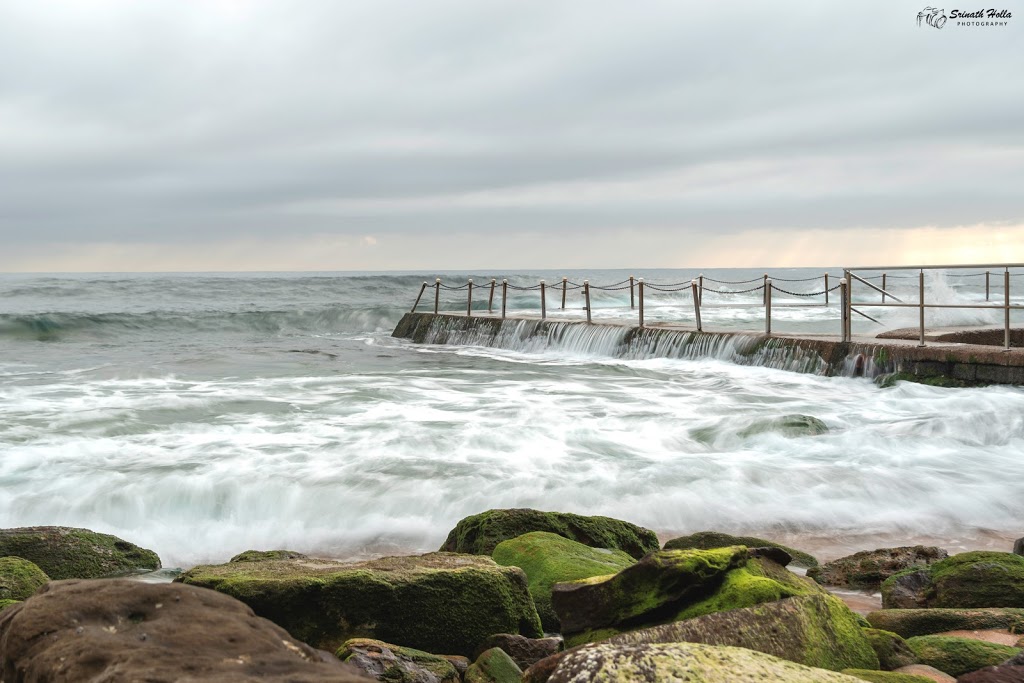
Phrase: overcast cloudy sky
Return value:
(322, 134)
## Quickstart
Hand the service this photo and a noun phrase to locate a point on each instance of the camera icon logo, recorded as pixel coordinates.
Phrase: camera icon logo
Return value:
(932, 16)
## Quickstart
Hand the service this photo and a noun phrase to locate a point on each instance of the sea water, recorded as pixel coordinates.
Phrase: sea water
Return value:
(205, 414)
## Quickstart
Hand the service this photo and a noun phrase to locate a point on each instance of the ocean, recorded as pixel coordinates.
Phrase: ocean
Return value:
(201, 415)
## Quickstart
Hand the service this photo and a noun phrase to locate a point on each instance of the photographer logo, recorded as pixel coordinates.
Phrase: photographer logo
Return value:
(936, 18)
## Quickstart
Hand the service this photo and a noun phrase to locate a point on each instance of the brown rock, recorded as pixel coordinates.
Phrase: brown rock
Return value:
(525, 652)
(926, 671)
(994, 674)
(1018, 546)
(869, 568)
(119, 631)
(396, 664)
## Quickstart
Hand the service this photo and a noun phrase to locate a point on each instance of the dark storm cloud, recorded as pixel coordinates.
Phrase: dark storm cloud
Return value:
(156, 122)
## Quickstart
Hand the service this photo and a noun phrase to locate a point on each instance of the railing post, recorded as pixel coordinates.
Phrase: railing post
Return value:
(848, 306)
(437, 294)
(632, 299)
(640, 287)
(543, 300)
(504, 296)
(920, 294)
(418, 297)
(695, 289)
(843, 321)
(764, 291)
(768, 306)
(826, 289)
(469, 299)
(1006, 310)
(700, 289)
(564, 282)
(883, 287)
(987, 274)
(586, 296)
(490, 297)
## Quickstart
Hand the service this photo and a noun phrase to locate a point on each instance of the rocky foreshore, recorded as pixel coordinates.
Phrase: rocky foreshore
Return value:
(512, 595)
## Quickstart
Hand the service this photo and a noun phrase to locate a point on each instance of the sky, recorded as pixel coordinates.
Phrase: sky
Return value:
(188, 135)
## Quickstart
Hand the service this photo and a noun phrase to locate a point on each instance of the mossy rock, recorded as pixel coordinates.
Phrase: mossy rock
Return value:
(549, 558)
(788, 425)
(974, 579)
(396, 664)
(671, 585)
(4, 604)
(611, 663)
(816, 630)
(19, 578)
(886, 676)
(957, 656)
(70, 553)
(493, 666)
(259, 555)
(480, 534)
(869, 568)
(706, 540)
(893, 652)
(921, 622)
(439, 602)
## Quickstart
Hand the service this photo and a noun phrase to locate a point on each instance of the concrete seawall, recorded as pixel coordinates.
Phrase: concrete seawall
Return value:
(946, 363)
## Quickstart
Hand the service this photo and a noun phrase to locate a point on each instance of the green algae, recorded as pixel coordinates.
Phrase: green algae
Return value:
(70, 553)
(968, 580)
(258, 555)
(886, 676)
(549, 558)
(706, 540)
(493, 666)
(8, 603)
(957, 656)
(921, 622)
(19, 578)
(893, 652)
(398, 671)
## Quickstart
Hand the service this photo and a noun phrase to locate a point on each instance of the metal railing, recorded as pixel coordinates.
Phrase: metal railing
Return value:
(766, 285)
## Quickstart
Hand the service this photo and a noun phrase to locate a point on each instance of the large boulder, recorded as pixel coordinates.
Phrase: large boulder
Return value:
(70, 553)
(493, 666)
(480, 534)
(666, 662)
(921, 622)
(869, 568)
(1018, 546)
(816, 630)
(886, 676)
(19, 578)
(892, 650)
(994, 674)
(957, 656)
(672, 585)
(260, 555)
(525, 652)
(706, 540)
(121, 631)
(974, 579)
(549, 558)
(395, 664)
(438, 602)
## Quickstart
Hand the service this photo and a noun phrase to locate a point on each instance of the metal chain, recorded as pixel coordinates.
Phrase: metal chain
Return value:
(779, 289)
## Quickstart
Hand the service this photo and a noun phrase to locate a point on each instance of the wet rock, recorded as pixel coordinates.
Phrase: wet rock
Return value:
(885, 676)
(816, 630)
(70, 553)
(671, 585)
(549, 558)
(665, 662)
(19, 578)
(1018, 546)
(706, 540)
(994, 674)
(493, 666)
(974, 579)
(921, 622)
(925, 671)
(121, 631)
(869, 568)
(957, 656)
(480, 534)
(258, 555)
(394, 664)
(525, 652)
(438, 602)
(893, 652)
(787, 425)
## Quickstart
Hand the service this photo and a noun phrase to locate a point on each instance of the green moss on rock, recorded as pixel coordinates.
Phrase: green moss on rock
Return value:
(957, 656)
(869, 568)
(705, 540)
(439, 602)
(70, 553)
(258, 555)
(549, 558)
(974, 579)
(886, 676)
(493, 666)
(19, 578)
(8, 603)
(921, 622)
(893, 652)
(396, 664)
(787, 425)
(480, 534)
